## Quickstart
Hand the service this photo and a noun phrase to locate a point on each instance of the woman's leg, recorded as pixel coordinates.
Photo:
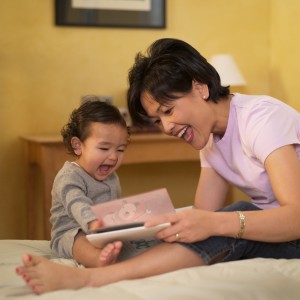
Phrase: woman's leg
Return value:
(43, 275)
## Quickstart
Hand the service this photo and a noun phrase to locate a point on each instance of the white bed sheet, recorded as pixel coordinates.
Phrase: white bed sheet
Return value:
(249, 279)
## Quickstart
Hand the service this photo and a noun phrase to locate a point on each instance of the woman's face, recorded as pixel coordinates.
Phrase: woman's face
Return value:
(190, 117)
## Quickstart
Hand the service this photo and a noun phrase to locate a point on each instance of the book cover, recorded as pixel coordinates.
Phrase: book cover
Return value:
(132, 209)
(123, 220)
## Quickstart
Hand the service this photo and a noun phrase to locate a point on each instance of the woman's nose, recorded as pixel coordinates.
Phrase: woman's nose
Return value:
(167, 126)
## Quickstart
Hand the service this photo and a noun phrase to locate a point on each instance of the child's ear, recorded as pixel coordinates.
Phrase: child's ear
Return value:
(76, 145)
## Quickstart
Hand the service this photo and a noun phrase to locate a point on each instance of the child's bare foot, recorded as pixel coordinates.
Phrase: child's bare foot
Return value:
(42, 275)
(90, 256)
(110, 253)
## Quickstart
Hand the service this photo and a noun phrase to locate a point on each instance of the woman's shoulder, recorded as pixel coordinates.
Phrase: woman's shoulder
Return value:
(264, 123)
(245, 102)
(256, 108)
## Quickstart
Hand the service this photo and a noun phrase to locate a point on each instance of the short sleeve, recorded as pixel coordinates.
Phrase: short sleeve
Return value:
(268, 127)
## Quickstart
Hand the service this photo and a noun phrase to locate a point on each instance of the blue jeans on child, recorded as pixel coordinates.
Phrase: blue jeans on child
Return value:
(223, 249)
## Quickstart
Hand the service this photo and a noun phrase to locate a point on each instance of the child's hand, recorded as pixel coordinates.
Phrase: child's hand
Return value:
(95, 224)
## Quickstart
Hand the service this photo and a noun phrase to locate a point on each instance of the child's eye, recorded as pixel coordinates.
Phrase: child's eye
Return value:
(121, 150)
(104, 149)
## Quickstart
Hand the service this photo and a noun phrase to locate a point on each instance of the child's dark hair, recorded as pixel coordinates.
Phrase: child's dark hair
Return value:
(91, 110)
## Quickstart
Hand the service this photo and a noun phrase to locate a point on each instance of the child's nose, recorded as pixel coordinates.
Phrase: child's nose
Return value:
(113, 155)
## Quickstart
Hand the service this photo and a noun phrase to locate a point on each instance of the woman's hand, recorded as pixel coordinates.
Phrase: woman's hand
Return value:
(187, 225)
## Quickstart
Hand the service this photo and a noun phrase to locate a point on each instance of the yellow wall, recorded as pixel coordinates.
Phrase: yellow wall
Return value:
(285, 49)
(45, 70)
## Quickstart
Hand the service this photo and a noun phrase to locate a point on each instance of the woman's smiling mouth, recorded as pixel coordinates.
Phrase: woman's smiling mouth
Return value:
(186, 134)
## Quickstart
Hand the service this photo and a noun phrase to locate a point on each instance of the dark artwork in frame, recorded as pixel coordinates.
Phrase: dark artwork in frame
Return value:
(111, 13)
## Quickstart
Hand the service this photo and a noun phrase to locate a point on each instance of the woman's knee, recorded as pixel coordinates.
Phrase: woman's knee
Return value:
(240, 205)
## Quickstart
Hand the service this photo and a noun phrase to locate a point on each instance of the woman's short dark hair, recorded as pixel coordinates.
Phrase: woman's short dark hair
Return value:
(91, 110)
(166, 72)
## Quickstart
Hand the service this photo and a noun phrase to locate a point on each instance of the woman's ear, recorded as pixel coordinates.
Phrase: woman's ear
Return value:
(76, 145)
(202, 89)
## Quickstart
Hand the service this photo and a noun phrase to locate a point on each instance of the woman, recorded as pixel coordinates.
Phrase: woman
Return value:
(252, 142)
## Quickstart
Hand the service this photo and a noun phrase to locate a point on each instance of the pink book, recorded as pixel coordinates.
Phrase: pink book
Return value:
(137, 208)
(124, 219)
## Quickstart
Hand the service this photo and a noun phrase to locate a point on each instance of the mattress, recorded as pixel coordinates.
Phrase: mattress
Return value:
(248, 279)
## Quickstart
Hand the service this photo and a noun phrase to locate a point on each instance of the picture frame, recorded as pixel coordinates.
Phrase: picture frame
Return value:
(108, 13)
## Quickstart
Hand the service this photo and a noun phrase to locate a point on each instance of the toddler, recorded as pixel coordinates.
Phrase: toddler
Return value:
(97, 135)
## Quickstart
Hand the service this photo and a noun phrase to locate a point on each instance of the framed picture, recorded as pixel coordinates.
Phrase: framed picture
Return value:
(111, 13)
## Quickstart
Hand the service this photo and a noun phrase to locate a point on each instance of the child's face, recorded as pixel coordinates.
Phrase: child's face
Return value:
(102, 152)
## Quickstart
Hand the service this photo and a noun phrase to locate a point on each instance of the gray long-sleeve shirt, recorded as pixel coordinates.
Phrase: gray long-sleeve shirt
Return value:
(74, 192)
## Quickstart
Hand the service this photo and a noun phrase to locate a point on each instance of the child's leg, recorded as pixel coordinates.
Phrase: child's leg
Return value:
(43, 275)
(89, 256)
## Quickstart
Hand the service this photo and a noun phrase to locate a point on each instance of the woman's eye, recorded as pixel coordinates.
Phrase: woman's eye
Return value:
(168, 111)
(104, 149)
(157, 122)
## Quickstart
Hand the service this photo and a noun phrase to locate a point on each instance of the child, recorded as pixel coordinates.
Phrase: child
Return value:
(98, 136)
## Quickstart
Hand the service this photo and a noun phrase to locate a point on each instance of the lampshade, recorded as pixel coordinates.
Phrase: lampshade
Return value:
(227, 69)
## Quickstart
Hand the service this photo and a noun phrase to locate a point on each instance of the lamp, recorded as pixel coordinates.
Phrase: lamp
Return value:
(227, 69)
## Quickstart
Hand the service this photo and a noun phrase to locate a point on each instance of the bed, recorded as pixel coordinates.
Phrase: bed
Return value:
(248, 279)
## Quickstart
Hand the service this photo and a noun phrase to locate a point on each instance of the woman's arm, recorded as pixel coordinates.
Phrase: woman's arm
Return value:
(280, 224)
(272, 225)
(211, 191)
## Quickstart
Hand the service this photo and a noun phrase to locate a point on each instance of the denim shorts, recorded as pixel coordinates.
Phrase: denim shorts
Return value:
(223, 249)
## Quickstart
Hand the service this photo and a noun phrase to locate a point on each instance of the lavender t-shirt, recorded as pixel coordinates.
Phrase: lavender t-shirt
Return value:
(257, 126)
